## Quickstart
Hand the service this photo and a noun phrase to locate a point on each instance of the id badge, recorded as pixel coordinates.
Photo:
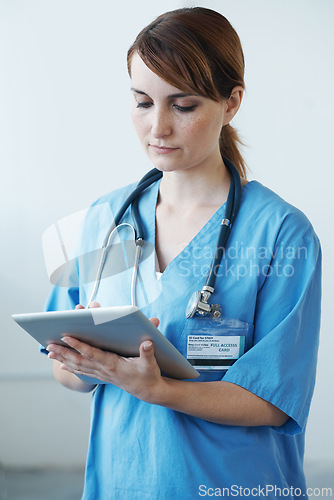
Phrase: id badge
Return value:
(214, 352)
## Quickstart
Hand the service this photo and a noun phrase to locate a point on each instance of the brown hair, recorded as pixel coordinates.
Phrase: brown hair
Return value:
(196, 49)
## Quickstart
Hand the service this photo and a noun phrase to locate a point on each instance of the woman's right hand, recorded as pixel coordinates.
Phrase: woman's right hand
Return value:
(65, 377)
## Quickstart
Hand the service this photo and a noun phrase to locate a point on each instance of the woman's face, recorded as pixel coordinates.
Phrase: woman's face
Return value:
(177, 130)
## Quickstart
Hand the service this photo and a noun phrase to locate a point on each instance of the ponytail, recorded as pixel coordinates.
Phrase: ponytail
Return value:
(229, 148)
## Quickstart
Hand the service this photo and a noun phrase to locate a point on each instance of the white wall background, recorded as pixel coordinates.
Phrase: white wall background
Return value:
(66, 138)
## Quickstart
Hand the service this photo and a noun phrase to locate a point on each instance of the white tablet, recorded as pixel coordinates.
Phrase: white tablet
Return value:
(116, 329)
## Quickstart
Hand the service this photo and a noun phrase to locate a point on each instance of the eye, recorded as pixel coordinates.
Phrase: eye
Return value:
(144, 105)
(185, 109)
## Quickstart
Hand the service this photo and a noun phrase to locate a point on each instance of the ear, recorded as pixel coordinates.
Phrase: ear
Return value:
(233, 103)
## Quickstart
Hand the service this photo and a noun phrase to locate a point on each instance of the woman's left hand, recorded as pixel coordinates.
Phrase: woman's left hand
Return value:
(140, 376)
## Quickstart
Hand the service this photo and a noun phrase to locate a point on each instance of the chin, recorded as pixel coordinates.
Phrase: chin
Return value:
(165, 169)
(165, 166)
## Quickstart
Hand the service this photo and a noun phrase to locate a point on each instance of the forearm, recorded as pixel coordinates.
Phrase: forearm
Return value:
(219, 402)
(70, 380)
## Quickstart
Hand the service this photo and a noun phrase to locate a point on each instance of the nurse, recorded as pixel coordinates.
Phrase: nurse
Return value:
(239, 428)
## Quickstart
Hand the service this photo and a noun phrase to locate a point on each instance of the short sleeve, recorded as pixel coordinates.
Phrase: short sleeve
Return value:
(281, 366)
(61, 299)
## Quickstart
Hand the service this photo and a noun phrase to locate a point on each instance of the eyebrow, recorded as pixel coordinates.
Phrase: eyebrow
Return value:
(171, 96)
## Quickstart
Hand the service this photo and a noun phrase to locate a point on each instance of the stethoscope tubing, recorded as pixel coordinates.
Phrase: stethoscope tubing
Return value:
(151, 177)
(231, 210)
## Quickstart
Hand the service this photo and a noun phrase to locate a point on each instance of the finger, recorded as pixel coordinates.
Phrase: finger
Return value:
(75, 368)
(62, 358)
(94, 304)
(60, 353)
(155, 321)
(86, 350)
(90, 355)
(79, 306)
(59, 349)
(72, 361)
(56, 356)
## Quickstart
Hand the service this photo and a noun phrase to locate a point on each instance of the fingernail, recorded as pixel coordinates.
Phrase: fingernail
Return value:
(147, 346)
(64, 339)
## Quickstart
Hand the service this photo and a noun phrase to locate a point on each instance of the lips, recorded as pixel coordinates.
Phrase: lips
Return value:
(163, 149)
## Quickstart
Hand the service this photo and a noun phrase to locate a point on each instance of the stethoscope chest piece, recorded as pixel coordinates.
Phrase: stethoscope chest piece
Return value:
(198, 305)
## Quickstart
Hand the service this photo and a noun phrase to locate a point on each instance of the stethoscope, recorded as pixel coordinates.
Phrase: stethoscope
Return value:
(198, 303)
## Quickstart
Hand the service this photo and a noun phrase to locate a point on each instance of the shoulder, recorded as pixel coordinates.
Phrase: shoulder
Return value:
(115, 198)
(100, 215)
(264, 207)
(106, 207)
(266, 220)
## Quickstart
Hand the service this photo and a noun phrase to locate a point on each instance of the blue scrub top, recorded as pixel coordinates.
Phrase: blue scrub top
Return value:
(269, 279)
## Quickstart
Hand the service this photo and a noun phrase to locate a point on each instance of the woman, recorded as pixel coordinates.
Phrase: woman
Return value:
(240, 430)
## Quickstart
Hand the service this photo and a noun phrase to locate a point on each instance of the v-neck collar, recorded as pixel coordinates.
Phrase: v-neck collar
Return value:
(214, 219)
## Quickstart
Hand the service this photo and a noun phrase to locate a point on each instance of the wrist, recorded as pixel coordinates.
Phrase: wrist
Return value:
(157, 393)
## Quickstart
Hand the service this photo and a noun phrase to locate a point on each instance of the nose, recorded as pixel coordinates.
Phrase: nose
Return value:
(161, 124)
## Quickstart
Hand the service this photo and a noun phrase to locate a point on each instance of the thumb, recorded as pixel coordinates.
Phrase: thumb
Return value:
(146, 349)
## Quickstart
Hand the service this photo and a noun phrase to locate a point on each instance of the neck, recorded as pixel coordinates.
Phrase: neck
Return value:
(207, 186)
